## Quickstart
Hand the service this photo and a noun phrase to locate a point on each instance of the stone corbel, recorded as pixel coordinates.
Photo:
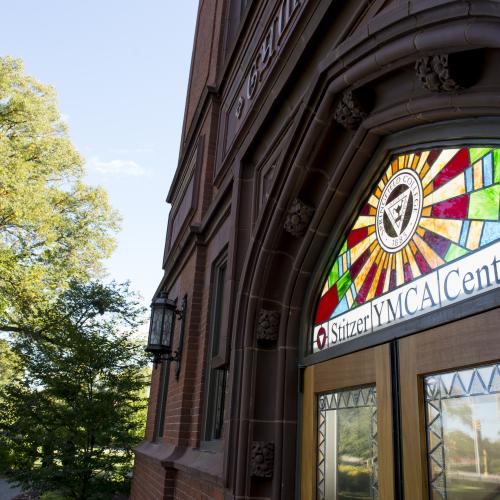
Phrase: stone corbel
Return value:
(448, 72)
(298, 218)
(262, 459)
(268, 326)
(350, 110)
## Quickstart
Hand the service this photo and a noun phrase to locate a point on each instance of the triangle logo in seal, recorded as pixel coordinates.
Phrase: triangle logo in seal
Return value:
(396, 211)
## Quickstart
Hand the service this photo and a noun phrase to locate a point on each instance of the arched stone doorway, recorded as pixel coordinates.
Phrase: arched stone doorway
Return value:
(343, 131)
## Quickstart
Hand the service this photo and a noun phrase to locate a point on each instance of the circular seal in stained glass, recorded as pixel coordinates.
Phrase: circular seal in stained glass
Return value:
(398, 210)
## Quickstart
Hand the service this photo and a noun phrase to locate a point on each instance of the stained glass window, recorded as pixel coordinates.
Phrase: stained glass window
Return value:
(429, 209)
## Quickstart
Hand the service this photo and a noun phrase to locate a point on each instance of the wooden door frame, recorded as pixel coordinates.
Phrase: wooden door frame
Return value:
(371, 366)
(462, 344)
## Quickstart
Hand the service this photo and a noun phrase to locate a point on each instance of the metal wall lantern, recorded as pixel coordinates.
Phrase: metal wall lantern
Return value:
(161, 327)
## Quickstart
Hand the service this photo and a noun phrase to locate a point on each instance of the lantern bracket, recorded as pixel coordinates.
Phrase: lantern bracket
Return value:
(159, 357)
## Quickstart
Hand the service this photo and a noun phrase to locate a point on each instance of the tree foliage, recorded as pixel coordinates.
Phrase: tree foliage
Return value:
(10, 369)
(71, 420)
(72, 378)
(53, 227)
(10, 364)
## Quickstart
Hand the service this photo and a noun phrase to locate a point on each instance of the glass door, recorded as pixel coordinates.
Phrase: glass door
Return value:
(347, 450)
(450, 402)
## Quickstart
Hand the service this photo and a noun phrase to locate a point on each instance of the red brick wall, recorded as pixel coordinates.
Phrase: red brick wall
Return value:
(184, 407)
(150, 480)
(189, 488)
(177, 419)
(204, 62)
(192, 391)
(150, 422)
(154, 482)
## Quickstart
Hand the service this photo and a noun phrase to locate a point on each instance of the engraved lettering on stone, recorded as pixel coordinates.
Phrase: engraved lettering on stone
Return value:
(267, 48)
(253, 79)
(273, 36)
(239, 107)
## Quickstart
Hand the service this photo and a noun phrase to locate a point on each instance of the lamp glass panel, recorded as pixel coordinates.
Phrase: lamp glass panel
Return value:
(156, 325)
(168, 325)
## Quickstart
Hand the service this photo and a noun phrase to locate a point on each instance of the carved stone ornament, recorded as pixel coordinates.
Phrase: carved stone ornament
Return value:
(439, 74)
(262, 459)
(268, 326)
(350, 111)
(298, 218)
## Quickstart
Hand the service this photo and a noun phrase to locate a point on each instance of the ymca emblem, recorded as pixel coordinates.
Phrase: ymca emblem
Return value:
(399, 210)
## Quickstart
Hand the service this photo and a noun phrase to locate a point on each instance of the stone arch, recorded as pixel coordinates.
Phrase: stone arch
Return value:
(306, 173)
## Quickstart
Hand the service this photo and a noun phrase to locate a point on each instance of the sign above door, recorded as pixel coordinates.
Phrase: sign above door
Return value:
(428, 236)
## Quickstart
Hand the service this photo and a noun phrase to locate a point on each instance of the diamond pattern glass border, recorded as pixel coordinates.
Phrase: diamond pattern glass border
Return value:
(354, 398)
(482, 380)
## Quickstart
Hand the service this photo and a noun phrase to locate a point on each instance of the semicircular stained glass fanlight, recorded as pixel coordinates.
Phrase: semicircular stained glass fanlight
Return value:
(428, 209)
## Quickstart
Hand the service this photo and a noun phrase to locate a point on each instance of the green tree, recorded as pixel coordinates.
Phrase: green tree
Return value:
(10, 364)
(53, 227)
(71, 421)
(10, 369)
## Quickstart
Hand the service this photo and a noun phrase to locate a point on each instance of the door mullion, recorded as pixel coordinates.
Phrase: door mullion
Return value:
(396, 419)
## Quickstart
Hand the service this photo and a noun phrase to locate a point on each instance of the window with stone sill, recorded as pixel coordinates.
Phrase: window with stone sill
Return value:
(162, 400)
(216, 368)
(236, 14)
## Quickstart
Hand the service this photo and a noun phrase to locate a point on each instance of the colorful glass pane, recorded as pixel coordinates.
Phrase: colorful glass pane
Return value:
(427, 210)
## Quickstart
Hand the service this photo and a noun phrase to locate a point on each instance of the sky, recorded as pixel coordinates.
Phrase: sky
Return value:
(120, 69)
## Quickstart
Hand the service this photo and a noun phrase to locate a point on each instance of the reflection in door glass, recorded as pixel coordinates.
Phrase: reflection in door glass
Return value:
(347, 445)
(463, 434)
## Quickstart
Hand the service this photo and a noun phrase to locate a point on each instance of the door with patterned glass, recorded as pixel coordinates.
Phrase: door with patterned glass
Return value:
(450, 410)
(347, 447)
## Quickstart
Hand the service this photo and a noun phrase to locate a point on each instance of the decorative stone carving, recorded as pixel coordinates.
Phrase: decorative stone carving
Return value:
(350, 111)
(262, 459)
(439, 73)
(239, 107)
(268, 326)
(298, 218)
(450, 72)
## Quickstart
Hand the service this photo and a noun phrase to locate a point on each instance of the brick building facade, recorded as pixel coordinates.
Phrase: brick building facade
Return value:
(295, 109)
